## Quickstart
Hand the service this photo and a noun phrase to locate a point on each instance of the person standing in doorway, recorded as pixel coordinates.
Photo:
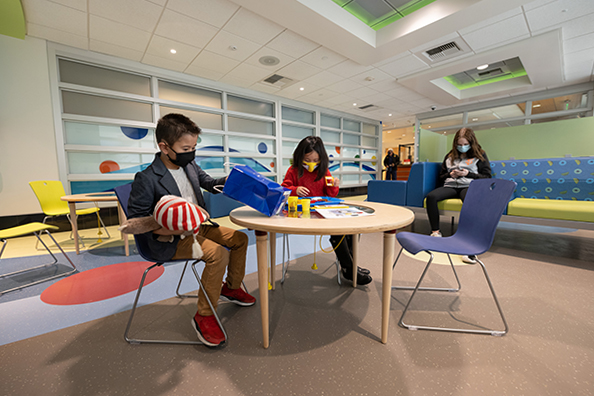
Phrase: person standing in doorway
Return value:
(391, 163)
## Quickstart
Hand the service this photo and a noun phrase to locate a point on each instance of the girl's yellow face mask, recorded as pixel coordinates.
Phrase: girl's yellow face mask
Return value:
(310, 166)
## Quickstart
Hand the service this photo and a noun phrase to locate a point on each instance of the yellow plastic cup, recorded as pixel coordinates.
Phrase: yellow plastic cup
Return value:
(293, 202)
(305, 205)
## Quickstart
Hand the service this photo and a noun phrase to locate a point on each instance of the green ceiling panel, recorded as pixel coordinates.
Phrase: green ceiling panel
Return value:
(12, 19)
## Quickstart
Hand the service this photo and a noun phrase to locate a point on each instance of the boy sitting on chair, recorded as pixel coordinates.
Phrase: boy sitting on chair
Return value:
(174, 172)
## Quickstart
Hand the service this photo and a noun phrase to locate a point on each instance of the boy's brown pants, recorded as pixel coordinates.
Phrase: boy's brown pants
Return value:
(213, 241)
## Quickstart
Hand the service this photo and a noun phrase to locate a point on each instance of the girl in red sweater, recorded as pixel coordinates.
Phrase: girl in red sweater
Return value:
(309, 176)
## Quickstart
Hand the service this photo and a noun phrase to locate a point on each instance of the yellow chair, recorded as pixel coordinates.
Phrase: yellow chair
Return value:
(48, 193)
(37, 229)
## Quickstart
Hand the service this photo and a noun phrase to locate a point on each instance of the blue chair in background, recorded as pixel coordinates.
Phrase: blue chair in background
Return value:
(123, 194)
(484, 204)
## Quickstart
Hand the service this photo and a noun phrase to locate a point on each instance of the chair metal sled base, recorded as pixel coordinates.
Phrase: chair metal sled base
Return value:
(153, 341)
(456, 330)
(38, 235)
(286, 263)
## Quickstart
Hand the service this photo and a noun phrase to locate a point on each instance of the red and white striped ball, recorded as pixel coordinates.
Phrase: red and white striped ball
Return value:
(175, 214)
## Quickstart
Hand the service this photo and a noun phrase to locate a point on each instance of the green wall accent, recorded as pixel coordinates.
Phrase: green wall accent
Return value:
(12, 19)
(553, 139)
(432, 146)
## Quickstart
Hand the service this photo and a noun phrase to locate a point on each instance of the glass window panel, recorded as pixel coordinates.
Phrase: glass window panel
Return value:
(291, 114)
(368, 141)
(350, 152)
(333, 151)
(330, 137)
(98, 77)
(251, 126)
(566, 102)
(295, 132)
(350, 139)
(214, 166)
(369, 166)
(369, 129)
(93, 186)
(566, 117)
(496, 113)
(98, 106)
(289, 147)
(202, 119)
(329, 121)
(183, 93)
(347, 180)
(371, 154)
(438, 122)
(252, 146)
(285, 167)
(366, 177)
(108, 135)
(259, 164)
(102, 163)
(354, 126)
(235, 103)
(210, 142)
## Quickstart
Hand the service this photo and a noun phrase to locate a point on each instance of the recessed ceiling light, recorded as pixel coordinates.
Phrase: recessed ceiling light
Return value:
(172, 51)
(482, 67)
(536, 105)
(301, 89)
(354, 104)
(390, 115)
(428, 126)
(389, 131)
(475, 119)
(404, 134)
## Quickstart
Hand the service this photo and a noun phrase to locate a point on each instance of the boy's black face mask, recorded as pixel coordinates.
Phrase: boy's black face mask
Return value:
(182, 159)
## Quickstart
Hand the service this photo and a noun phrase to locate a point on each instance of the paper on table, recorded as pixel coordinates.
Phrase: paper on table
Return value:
(341, 213)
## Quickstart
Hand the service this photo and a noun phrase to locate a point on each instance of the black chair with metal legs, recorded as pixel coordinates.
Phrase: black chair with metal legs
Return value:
(123, 193)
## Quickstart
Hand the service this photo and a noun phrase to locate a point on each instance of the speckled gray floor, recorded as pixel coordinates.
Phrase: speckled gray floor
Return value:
(325, 338)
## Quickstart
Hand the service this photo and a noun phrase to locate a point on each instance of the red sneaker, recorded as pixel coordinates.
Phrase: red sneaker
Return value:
(237, 296)
(208, 330)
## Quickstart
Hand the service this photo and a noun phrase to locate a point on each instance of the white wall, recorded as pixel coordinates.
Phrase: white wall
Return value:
(27, 138)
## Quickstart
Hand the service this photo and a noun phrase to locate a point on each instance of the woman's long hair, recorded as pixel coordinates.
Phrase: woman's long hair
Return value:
(306, 146)
(476, 151)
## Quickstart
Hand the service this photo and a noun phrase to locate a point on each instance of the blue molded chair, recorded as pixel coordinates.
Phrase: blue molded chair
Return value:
(123, 194)
(484, 204)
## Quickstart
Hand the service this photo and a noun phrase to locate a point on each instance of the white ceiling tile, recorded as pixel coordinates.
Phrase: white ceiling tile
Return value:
(348, 68)
(57, 36)
(491, 21)
(115, 50)
(292, 44)
(552, 14)
(344, 86)
(341, 98)
(578, 27)
(498, 33)
(119, 34)
(323, 79)
(57, 16)
(323, 58)
(251, 74)
(385, 86)
(265, 88)
(164, 63)
(579, 43)
(299, 70)
(253, 27)
(287, 94)
(579, 64)
(371, 77)
(424, 103)
(158, 2)
(362, 92)
(322, 94)
(224, 41)
(238, 82)
(215, 62)
(204, 73)
(403, 66)
(376, 97)
(80, 5)
(295, 91)
(536, 4)
(391, 59)
(136, 13)
(184, 29)
(161, 46)
(284, 60)
(215, 13)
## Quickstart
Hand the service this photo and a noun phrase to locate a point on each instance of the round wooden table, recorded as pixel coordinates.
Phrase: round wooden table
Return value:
(386, 219)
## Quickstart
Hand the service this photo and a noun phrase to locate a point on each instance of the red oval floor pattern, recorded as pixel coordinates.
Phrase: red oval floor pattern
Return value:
(100, 283)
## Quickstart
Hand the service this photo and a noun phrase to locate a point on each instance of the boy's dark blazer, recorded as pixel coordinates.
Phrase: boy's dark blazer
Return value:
(153, 183)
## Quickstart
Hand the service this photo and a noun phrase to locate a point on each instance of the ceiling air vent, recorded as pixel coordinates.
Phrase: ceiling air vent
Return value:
(445, 51)
(491, 73)
(369, 107)
(278, 81)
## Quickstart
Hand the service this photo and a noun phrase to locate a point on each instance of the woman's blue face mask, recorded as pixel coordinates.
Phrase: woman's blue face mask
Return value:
(464, 148)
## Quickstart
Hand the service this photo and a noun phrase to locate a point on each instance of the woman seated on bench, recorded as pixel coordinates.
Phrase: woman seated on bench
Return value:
(465, 162)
